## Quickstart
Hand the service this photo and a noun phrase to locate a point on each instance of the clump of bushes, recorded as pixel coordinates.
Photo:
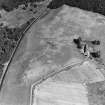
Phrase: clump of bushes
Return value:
(7, 45)
(9, 5)
(8, 42)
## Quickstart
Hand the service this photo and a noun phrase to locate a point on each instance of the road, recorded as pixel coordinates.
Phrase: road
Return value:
(13, 93)
(41, 13)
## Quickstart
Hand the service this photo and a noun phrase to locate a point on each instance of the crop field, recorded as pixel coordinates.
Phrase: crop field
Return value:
(59, 93)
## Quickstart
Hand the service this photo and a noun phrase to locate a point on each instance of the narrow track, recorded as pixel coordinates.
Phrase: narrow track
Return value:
(39, 15)
(49, 75)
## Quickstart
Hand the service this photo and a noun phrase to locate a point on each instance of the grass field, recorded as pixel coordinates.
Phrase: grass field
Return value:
(49, 42)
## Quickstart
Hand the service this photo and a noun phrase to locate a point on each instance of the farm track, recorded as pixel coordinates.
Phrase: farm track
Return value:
(39, 15)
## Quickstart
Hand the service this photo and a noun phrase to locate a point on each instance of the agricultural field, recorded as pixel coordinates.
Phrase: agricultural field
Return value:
(89, 74)
(60, 93)
(60, 60)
